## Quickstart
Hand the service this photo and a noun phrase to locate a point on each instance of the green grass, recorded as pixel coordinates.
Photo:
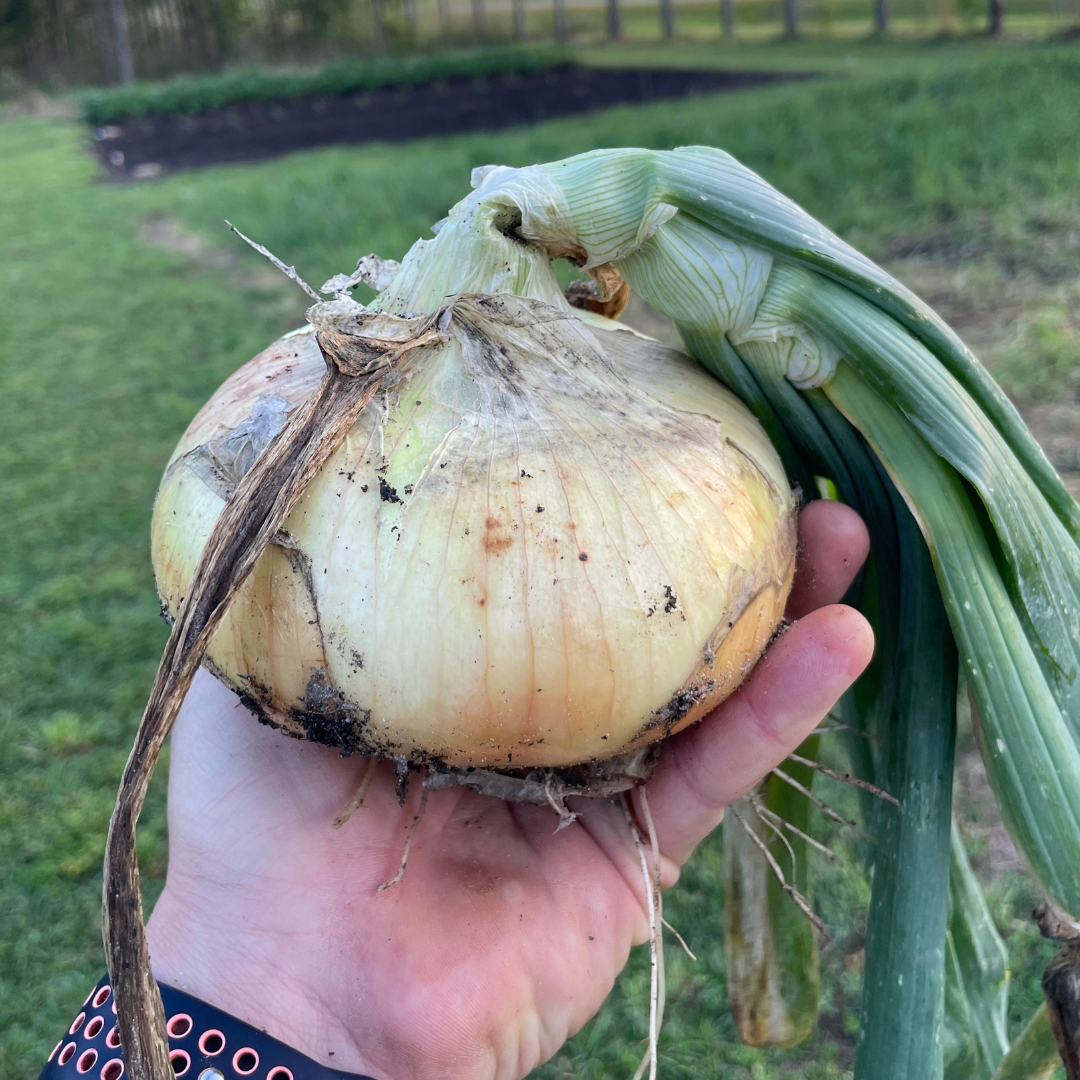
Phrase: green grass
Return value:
(109, 344)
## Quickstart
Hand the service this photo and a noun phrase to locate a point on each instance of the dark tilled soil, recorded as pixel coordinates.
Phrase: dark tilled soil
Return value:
(249, 131)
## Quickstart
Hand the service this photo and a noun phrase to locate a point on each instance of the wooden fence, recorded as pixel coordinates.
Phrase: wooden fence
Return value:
(93, 42)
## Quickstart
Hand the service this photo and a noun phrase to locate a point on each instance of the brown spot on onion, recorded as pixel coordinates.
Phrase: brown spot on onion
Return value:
(496, 540)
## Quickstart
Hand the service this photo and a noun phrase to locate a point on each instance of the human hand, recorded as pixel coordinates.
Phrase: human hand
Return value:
(504, 937)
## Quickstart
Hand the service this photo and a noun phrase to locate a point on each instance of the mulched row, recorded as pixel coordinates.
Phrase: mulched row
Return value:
(147, 146)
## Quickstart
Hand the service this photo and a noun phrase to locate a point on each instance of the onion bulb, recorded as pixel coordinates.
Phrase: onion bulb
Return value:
(548, 540)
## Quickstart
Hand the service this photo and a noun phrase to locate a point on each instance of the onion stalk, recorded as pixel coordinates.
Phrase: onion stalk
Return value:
(670, 555)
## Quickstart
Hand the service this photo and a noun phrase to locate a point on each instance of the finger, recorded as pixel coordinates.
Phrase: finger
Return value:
(790, 691)
(833, 544)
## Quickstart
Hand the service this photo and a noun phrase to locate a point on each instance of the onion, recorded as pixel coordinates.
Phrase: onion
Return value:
(547, 540)
(473, 528)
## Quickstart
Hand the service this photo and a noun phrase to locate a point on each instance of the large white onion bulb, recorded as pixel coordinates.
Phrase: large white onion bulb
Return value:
(548, 540)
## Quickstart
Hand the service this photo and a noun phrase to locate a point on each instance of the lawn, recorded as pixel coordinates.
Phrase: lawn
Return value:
(957, 165)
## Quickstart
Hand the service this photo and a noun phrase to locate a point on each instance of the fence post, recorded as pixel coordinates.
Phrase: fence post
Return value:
(881, 16)
(124, 62)
(667, 18)
(995, 16)
(727, 18)
(791, 19)
(378, 23)
(521, 26)
(562, 31)
(614, 20)
(105, 42)
(479, 14)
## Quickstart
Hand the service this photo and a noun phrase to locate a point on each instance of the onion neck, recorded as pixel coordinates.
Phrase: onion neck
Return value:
(475, 250)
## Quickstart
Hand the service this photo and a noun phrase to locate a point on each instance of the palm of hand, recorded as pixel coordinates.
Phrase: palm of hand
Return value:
(504, 937)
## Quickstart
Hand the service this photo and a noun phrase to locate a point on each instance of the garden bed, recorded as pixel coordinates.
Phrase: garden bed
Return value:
(145, 146)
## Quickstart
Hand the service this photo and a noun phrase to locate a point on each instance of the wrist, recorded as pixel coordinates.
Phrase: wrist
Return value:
(204, 1042)
(198, 946)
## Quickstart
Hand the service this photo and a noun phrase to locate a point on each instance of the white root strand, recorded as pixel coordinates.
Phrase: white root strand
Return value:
(361, 793)
(656, 921)
(801, 902)
(408, 842)
(757, 808)
(658, 905)
(761, 808)
(845, 778)
(802, 789)
(681, 940)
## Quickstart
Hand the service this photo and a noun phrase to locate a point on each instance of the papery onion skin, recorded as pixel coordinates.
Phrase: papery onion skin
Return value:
(548, 543)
